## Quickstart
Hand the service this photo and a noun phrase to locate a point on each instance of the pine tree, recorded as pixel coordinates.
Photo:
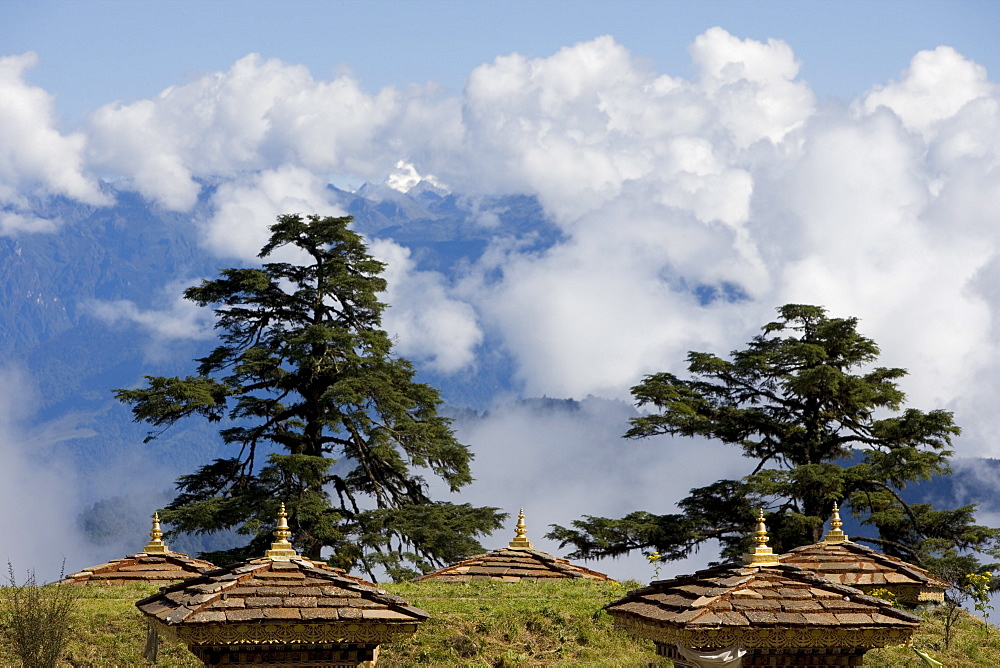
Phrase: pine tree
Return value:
(821, 423)
(317, 412)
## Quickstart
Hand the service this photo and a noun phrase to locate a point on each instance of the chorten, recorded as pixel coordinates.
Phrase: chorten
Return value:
(518, 561)
(843, 561)
(279, 610)
(156, 564)
(760, 613)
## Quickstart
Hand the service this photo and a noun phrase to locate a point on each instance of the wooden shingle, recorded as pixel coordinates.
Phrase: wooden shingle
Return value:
(842, 561)
(762, 608)
(156, 564)
(518, 561)
(767, 598)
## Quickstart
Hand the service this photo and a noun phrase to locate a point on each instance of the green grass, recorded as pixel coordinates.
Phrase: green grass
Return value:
(106, 629)
(483, 623)
(486, 623)
(973, 644)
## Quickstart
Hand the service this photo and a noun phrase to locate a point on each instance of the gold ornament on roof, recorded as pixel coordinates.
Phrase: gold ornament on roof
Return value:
(521, 541)
(835, 535)
(762, 555)
(156, 545)
(281, 549)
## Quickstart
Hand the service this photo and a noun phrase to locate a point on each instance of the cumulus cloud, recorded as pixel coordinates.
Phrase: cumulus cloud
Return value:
(936, 86)
(429, 325)
(244, 208)
(212, 126)
(750, 193)
(866, 245)
(653, 180)
(262, 115)
(35, 159)
(592, 314)
(752, 86)
(576, 127)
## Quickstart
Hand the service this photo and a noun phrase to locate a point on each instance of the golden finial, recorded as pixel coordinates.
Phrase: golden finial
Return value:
(281, 549)
(156, 545)
(521, 541)
(761, 554)
(835, 535)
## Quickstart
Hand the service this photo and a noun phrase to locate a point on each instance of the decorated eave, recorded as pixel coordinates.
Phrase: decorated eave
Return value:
(518, 561)
(282, 599)
(156, 564)
(841, 561)
(265, 601)
(761, 604)
(779, 606)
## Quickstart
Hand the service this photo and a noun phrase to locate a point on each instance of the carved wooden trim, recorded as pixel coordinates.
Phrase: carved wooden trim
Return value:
(779, 638)
(264, 633)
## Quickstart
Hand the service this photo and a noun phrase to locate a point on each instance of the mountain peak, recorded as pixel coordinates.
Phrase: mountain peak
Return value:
(406, 177)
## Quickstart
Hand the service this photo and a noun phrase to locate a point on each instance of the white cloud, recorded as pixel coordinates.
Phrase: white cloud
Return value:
(183, 320)
(752, 86)
(35, 159)
(548, 126)
(263, 115)
(748, 186)
(575, 128)
(593, 314)
(12, 223)
(549, 457)
(245, 208)
(37, 485)
(867, 245)
(213, 126)
(179, 320)
(935, 87)
(430, 325)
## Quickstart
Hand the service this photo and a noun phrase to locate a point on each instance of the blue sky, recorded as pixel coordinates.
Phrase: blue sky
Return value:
(97, 51)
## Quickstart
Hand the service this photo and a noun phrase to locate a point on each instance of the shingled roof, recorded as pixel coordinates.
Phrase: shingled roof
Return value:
(156, 564)
(242, 603)
(761, 604)
(842, 561)
(518, 561)
(281, 600)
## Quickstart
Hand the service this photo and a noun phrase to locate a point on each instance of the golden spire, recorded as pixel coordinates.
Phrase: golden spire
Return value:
(761, 554)
(156, 545)
(521, 541)
(835, 535)
(281, 549)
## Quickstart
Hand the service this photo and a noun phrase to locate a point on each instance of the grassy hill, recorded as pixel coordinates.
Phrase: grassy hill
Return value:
(485, 624)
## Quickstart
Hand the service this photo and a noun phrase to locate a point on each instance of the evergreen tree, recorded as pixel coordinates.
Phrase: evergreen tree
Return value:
(822, 425)
(318, 413)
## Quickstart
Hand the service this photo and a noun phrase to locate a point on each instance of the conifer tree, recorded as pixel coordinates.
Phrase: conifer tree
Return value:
(821, 424)
(317, 412)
